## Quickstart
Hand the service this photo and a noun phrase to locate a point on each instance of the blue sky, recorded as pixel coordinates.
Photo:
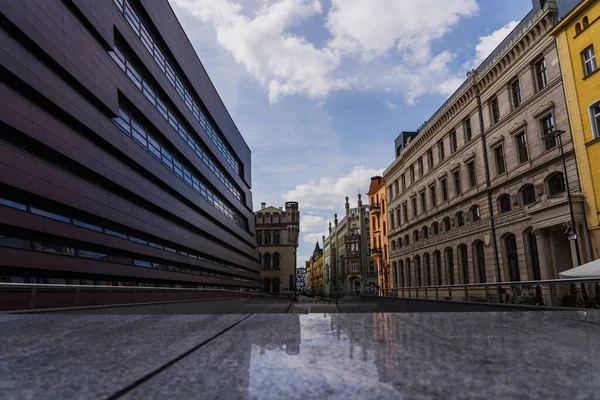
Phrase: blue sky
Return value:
(320, 88)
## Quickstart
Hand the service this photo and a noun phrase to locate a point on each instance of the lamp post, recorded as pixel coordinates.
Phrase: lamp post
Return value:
(572, 232)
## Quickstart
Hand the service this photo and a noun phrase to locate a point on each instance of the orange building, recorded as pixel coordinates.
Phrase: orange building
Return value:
(379, 230)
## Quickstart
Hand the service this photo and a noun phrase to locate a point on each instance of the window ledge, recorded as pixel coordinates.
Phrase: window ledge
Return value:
(593, 141)
(591, 73)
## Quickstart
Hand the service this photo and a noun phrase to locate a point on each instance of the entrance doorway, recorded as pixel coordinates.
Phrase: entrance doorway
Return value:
(512, 258)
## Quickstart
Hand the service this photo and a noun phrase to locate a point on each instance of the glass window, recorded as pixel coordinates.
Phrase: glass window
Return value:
(528, 195)
(155, 245)
(504, 203)
(547, 128)
(556, 184)
(444, 186)
(54, 248)
(16, 243)
(468, 130)
(432, 195)
(92, 254)
(522, 147)
(49, 214)
(541, 74)
(421, 168)
(456, 177)
(495, 110)
(595, 113)
(516, 93)
(86, 225)
(137, 240)
(589, 60)
(453, 142)
(499, 156)
(430, 159)
(414, 206)
(423, 202)
(412, 174)
(472, 174)
(140, 263)
(403, 178)
(13, 204)
(441, 150)
(475, 214)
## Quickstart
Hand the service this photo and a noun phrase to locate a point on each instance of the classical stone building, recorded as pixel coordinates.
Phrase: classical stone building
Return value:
(578, 40)
(379, 226)
(277, 232)
(467, 207)
(348, 265)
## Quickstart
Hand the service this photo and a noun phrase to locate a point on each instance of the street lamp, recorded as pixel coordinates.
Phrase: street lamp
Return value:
(571, 232)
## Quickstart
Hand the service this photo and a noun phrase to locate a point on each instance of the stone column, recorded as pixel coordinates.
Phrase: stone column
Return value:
(546, 269)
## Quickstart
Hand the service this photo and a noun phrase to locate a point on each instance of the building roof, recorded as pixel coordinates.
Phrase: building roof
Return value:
(317, 248)
(270, 209)
(376, 183)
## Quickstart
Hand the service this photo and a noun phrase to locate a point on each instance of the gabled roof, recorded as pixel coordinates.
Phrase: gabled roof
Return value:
(376, 183)
(269, 209)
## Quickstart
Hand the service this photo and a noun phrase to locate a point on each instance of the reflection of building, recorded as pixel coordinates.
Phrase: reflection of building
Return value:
(348, 265)
(315, 267)
(119, 161)
(379, 226)
(277, 236)
(300, 279)
(479, 194)
(578, 41)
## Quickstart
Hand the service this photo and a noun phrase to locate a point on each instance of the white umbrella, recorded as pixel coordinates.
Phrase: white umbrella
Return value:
(589, 270)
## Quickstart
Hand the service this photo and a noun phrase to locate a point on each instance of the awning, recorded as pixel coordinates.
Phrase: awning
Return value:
(589, 270)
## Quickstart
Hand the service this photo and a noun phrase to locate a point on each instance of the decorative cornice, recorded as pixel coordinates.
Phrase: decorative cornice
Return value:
(517, 127)
(543, 108)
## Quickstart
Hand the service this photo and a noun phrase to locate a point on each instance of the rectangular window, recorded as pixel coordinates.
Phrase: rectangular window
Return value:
(453, 142)
(595, 112)
(515, 89)
(456, 178)
(49, 214)
(472, 174)
(423, 202)
(441, 150)
(541, 74)
(421, 168)
(413, 203)
(412, 174)
(495, 110)
(589, 60)
(403, 178)
(15, 243)
(113, 233)
(468, 130)
(396, 187)
(390, 192)
(86, 225)
(430, 159)
(444, 186)
(547, 129)
(432, 196)
(405, 212)
(522, 147)
(276, 236)
(499, 156)
(13, 204)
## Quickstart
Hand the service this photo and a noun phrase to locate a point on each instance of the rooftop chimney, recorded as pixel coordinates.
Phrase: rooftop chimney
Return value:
(263, 206)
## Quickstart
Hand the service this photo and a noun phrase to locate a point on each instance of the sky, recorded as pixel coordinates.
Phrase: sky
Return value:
(320, 89)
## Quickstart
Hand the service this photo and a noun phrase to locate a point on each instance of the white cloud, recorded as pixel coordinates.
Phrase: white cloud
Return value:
(328, 193)
(390, 105)
(488, 43)
(372, 28)
(282, 62)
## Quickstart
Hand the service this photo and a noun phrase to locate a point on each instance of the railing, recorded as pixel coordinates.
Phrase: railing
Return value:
(376, 251)
(374, 208)
(23, 296)
(579, 293)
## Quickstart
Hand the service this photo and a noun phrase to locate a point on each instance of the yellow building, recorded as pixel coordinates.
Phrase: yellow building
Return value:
(578, 39)
(314, 268)
(379, 230)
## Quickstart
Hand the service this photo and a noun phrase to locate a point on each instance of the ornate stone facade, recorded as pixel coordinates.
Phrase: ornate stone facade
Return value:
(472, 208)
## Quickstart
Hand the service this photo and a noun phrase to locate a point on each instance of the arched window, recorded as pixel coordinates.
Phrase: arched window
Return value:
(399, 242)
(409, 281)
(424, 232)
(406, 239)
(585, 22)
(276, 258)
(556, 184)
(460, 219)
(578, 28)
(449, 256)
(474, 214)
(435, 228)
(437, 265)
(267, 260)
(393, 244)
(504, 203)
(382, 206)
(276, 284)
(446, 224)
(427, 265)
(394, 274)
(527, 194)
(415, 235)
(417, 262)
(479, 260)
(401, 273)
(267, 285)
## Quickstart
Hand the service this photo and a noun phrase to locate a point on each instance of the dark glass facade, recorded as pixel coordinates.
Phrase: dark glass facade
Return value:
(119, 163)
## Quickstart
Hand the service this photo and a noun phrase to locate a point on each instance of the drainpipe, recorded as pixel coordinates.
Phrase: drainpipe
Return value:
(487, 187)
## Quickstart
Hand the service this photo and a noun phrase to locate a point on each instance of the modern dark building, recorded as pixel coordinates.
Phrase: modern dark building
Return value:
(402, 140)
(119, 163)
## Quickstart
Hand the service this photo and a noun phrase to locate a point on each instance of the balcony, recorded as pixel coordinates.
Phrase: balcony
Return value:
(376, 252)
(375, 209)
